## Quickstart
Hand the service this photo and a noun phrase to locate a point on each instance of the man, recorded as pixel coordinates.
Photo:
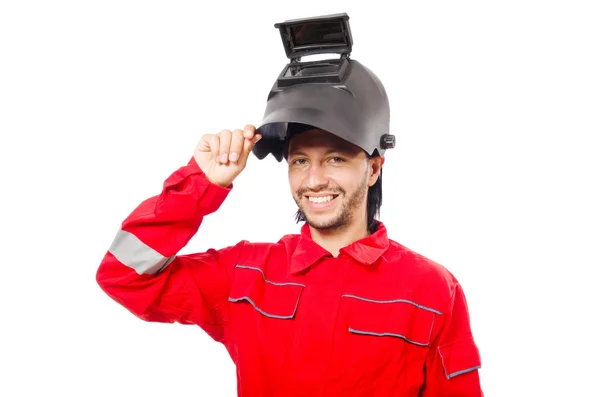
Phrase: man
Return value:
(338, 309)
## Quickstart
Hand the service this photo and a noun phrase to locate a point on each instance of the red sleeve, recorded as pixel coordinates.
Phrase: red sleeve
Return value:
(453, 362)
(142, 272)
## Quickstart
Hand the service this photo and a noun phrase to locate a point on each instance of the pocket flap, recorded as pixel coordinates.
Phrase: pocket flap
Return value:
(272, 299)
(460, 357)
(396, 318)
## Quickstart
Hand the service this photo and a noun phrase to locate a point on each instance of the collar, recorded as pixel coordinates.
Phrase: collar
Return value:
(365, 251)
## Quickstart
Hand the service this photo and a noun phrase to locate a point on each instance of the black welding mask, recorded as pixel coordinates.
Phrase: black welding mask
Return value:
(340, 95)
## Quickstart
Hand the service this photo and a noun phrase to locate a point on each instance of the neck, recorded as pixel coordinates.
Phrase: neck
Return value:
(334, 240)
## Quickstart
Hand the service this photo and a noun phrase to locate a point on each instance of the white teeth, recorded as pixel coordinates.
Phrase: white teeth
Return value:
(320, 199)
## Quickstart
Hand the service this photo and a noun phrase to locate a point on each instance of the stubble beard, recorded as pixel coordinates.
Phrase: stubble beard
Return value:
(345, 215)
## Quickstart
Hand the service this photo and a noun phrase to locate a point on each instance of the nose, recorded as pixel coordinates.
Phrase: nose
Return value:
(317, 178)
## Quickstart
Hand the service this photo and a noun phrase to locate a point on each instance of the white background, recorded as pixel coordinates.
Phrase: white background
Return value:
(496, 110)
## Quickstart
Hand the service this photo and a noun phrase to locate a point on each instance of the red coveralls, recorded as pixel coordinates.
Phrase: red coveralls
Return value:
(378, 320)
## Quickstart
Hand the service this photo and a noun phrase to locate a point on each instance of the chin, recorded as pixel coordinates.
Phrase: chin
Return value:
(325, 222)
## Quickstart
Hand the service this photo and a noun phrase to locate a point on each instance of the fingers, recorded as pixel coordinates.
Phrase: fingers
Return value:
(224, 144)
(249, 131)
(230, 146)
(214, 146)
(237, 144)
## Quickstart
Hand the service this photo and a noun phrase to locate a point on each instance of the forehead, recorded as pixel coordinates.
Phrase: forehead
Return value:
(319, 140)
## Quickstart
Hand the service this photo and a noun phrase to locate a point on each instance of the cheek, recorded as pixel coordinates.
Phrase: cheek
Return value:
(295, 181)
(347, 179)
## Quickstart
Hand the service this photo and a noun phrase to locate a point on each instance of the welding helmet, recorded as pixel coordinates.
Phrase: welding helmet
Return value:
(341, 95)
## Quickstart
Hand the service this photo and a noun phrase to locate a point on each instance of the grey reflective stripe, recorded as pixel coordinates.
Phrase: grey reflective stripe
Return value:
(394, 301)
(453, 374)
(387, 334)
(245, 298)
(464, 371)
(264, 278)
(133, 253)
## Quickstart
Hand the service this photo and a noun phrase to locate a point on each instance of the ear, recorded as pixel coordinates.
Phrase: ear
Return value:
(375, 165)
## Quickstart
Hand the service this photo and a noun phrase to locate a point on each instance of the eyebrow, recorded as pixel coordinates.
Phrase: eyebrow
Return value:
(330, 151)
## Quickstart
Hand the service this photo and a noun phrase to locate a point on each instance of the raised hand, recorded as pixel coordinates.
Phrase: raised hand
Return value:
(224, 155)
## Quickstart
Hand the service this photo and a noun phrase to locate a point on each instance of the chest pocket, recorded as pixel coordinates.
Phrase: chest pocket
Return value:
(278, 300)
(398, 318)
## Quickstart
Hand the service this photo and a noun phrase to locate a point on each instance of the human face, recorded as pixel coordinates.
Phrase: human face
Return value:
(329, 179)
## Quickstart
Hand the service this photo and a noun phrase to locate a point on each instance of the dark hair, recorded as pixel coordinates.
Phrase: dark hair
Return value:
(374, 194)
(374, 199)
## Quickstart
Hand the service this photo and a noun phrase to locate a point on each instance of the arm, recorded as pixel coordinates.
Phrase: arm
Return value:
(452, 365)
(141, 271)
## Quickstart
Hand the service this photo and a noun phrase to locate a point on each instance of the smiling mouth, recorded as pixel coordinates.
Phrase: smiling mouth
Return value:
(321, 199)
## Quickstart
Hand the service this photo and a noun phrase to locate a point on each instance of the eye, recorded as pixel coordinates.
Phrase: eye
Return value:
(337, 159)
(299, 161)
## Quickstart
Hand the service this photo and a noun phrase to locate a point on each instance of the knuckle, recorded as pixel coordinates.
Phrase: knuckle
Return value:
(225, 134)
(238, 136)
